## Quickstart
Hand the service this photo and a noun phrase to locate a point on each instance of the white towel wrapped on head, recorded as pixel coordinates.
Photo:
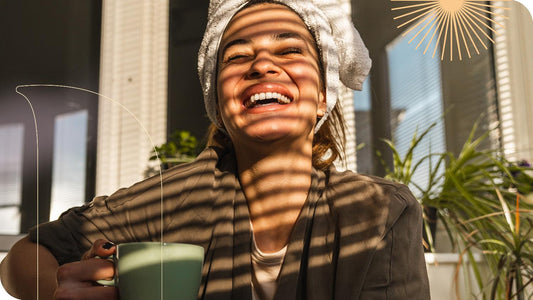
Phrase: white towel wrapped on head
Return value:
(343, 54)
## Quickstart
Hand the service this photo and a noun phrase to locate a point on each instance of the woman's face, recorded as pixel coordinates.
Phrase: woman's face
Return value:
(268, 84)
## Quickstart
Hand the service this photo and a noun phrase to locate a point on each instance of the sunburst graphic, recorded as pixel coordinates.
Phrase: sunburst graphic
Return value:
(456, 26)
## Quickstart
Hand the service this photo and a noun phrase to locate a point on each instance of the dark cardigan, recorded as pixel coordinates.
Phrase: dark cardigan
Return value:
(357, 237)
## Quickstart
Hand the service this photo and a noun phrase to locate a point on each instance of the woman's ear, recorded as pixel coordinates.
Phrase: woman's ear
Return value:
(322, 105)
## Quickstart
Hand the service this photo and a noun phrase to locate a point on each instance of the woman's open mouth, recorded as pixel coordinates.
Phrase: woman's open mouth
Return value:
(267, 98)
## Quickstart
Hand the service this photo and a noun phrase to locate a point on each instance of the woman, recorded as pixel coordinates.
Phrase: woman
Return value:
(275, 218)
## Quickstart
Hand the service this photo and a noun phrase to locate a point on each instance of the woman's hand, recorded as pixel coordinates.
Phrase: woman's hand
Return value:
(77, 280)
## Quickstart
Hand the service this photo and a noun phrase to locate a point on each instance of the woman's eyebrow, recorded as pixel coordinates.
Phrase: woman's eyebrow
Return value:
(233, 43)
(287, 35)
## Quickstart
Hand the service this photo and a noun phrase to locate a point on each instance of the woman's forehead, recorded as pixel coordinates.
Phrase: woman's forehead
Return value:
(265, 18)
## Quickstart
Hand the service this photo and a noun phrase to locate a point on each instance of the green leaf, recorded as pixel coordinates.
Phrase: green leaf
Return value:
(507, 212)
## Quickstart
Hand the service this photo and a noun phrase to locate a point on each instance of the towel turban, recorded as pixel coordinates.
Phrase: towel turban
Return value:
(343, 54)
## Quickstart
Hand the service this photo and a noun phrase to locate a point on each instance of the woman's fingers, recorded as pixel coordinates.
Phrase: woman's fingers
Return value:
(76, 280)
(88, 270)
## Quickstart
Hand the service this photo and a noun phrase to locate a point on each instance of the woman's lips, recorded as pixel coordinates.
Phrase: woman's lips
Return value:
(266, 94)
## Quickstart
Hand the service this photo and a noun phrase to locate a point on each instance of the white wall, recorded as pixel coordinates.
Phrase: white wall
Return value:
(133, 72)
(514, 70)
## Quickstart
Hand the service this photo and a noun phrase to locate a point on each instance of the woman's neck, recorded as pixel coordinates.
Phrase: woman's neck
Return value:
(276, 186)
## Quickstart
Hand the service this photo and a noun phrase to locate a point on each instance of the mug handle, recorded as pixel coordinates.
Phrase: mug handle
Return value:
(106, 282)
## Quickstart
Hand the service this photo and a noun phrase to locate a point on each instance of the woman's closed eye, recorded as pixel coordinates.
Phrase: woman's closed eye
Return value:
(236, 57)
(291, 50)
(240, 57)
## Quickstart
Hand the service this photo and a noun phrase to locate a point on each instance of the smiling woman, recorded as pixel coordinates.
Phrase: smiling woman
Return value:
(276, 219)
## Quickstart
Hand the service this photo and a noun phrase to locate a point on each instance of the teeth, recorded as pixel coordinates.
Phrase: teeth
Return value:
(270, 95)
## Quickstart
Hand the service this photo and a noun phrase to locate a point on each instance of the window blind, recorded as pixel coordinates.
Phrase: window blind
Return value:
(416, 102)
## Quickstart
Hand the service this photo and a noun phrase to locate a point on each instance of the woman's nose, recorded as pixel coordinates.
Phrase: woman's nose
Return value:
(263, 65)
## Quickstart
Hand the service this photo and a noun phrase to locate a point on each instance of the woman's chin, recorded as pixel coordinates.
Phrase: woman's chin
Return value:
(278, 132)
(270, 128)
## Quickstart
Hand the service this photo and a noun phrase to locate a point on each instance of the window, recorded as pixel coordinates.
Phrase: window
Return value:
(69, 163)
(416, 102)
(453, 94)
(67, 53)
(363, 139)
(11, 154)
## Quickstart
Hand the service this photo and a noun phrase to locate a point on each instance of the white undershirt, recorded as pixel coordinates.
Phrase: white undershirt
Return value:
(265, 272)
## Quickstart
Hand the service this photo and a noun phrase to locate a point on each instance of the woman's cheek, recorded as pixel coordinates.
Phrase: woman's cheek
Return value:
(305, 74)
(228, 82)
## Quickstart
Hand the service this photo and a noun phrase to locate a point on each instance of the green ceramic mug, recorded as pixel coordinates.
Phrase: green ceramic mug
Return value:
(153, 270)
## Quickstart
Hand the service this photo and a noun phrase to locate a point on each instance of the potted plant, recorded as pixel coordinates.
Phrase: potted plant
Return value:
(485, 204)
(180, 148)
